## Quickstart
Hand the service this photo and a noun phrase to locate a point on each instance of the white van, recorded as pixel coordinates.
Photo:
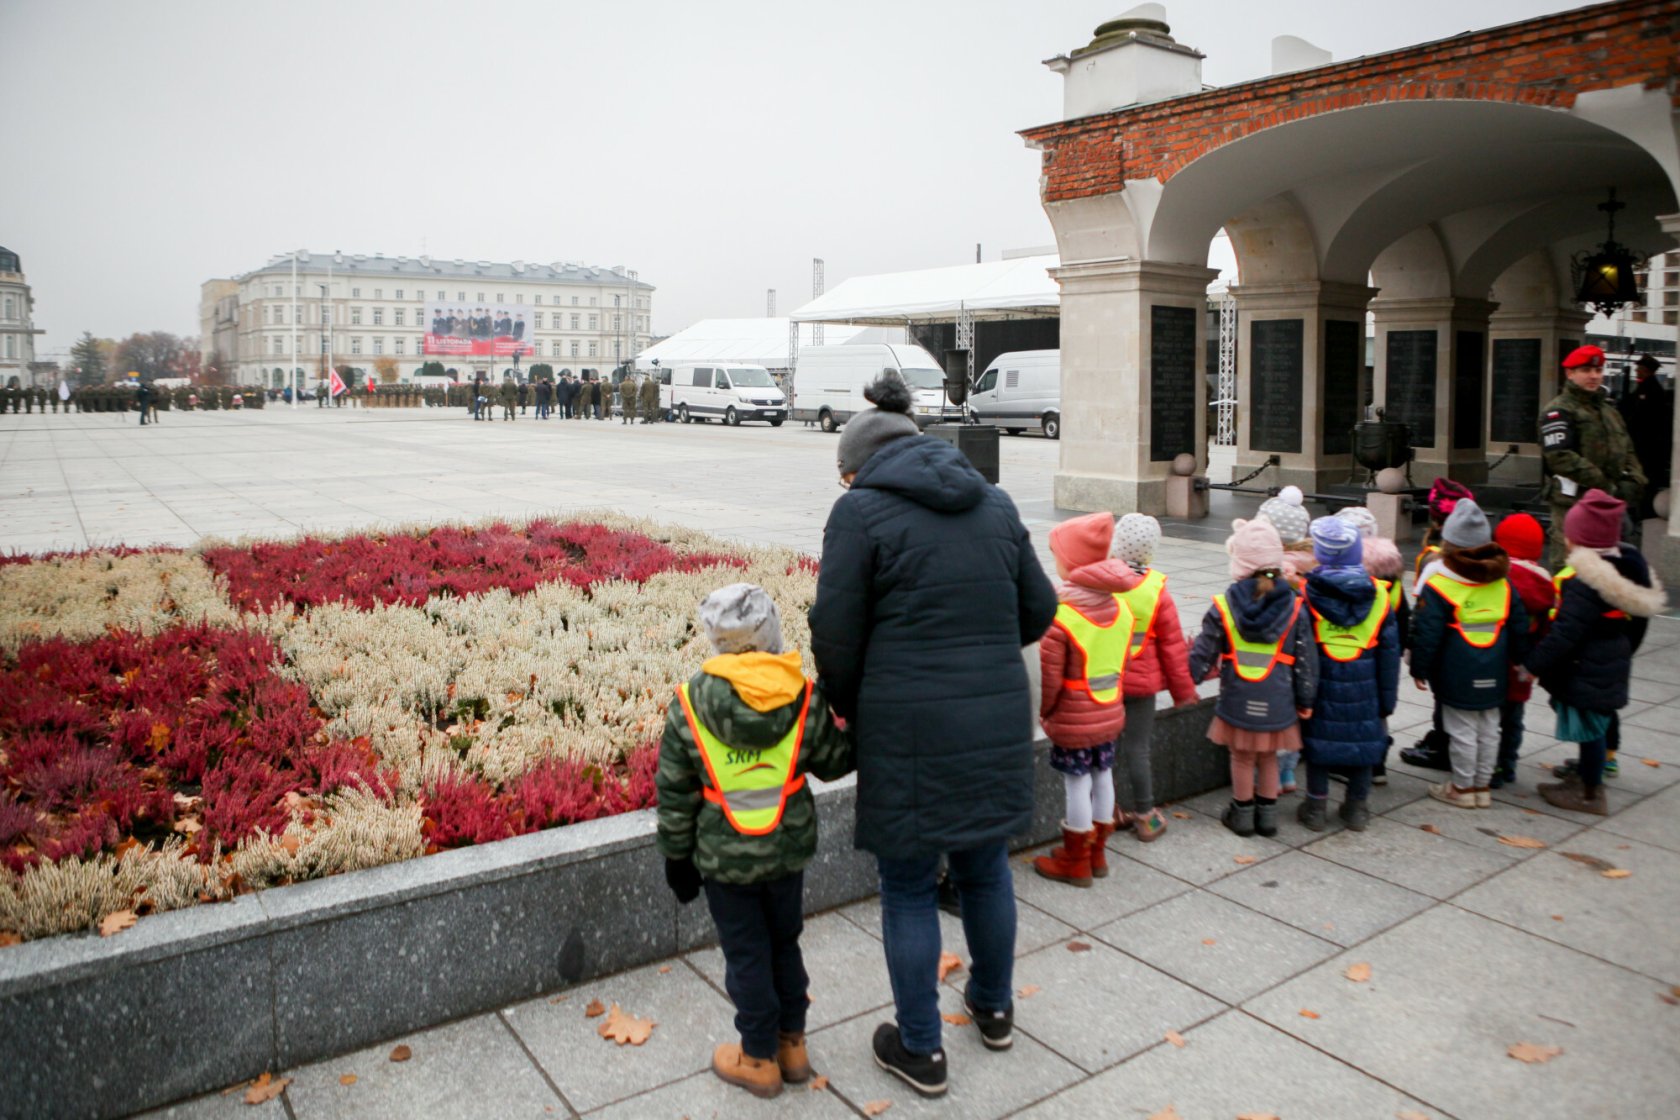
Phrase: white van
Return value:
(730, 393)
(829, 381)
(1020, 390)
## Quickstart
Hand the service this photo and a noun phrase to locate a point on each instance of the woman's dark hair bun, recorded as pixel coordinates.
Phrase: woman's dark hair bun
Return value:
(889, 392)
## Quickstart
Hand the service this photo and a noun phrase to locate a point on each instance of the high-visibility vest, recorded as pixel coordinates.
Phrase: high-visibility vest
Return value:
(1144, 600)
(1104, 649)
(1254, 661)
(1349, 643)
(1568, 573)
(750, 786)
(1395, 595)
(1479, 609)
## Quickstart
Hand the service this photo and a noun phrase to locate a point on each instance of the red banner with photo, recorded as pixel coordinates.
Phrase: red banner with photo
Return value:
(468, 328)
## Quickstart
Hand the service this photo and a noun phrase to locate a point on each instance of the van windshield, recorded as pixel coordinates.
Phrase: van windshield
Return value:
(749, 378)
(924, 378)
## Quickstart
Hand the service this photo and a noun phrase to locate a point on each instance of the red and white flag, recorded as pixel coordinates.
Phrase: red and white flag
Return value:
(335, 384)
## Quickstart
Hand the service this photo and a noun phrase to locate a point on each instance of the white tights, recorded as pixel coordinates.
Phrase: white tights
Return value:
(1090, 797)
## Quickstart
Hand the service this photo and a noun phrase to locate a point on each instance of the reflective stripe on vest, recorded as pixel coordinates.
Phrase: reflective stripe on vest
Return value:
(1143, 600)
(750, 786)
(1349, 643)
(1479, 609)
(1254, 661)
(1568, 573)
(1395, 595)
(1103, 647)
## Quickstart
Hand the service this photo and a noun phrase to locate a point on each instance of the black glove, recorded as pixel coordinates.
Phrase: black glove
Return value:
(683, 878)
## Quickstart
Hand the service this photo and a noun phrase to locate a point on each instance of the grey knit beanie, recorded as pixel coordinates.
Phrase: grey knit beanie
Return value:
(1467, 526)
(1287, 514)
(874, 428)
(1135, 538)
(740, 618)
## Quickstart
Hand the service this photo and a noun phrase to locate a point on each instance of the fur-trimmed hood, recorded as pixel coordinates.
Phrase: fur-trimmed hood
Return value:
(1482, 564)
(1382, 558)
(1624, 582)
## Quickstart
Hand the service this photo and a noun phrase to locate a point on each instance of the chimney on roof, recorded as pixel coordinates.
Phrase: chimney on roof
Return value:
(1132, 60)
(1291, 53)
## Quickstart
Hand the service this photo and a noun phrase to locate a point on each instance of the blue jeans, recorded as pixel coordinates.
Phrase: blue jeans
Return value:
(910, 930)
(763, 969)
(1358, 780)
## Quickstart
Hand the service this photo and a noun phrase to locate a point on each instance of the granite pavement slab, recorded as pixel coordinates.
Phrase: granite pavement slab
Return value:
(1323, 898)
(1409, 857)
(705, 1097)
(467, 1069)
(1034, 929)
(1212, 943)
(1130, 886)
(227, 1105)
(1655, 820)
(1451, 991)
(1196, 848)
(1482, 828)
(691, 1018)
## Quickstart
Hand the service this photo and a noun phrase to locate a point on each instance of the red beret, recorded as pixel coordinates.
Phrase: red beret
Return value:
(1584, 356)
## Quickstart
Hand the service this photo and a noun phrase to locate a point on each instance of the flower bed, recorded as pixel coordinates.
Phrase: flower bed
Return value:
(177, 727)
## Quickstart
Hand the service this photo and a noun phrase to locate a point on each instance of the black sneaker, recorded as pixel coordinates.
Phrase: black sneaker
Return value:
(924, 1073)
(997, 1028)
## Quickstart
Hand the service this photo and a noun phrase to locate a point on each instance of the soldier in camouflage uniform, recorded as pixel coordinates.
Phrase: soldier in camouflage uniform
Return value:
(1586, 446)
(509, 395)
(650, 398)
(737, 817)
(627, 400)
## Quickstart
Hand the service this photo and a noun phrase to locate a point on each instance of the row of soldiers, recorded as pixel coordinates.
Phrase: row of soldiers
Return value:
(585, 398)
(124, 398)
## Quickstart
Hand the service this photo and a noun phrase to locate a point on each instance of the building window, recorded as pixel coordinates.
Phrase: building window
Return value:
(326, 315)
(355, 316)
(615, 348)
(11, 346)
(323, 344)
(481, 297)
(538, 299)
(399, 293)
(399, 349)
(379, 316)
(462, 296)
(574, 350)
(537, 319)
(275, 341)
(379, 293)
(440, 297)
(618, 322)
(592, 301)
(10, 311)
(554, 348)
(594, 322)
(574, 301)
(519, 297)
(378, 344)
(356, 345)
(574, 322)
(355, 293)
(499, 298)
(615, 301)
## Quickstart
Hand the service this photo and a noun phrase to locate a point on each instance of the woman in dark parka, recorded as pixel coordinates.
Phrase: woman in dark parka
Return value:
(929, 589)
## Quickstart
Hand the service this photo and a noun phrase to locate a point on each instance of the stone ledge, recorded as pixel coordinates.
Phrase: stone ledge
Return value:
(198, 999)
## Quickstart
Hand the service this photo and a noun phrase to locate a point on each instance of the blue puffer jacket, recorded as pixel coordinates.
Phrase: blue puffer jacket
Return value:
(1354, 697)
(928, 590)
(1461, 675)
(1267, 705)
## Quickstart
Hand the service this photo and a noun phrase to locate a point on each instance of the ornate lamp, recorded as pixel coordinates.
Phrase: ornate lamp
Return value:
(1604, 279)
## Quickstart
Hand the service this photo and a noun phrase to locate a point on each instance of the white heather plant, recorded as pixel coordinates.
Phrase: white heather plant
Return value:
(78, 597)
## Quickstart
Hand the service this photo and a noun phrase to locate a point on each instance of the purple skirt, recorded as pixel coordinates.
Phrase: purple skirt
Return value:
(1082, 760)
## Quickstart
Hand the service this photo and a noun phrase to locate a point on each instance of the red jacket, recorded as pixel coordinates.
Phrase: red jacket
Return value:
(1534, 587)
(1073, 719)
(1165, 660)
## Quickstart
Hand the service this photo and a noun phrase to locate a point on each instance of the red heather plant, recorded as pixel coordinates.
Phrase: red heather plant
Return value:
(462, 809)
(449, 560)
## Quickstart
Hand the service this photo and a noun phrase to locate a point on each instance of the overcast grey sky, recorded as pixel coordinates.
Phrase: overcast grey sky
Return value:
(714, 146)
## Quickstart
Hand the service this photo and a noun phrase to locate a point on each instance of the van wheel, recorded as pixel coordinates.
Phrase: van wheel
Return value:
(1013, 431)
(1052, 424)
(826, 420)
(682, 414)
(775, 423)
(732, 418)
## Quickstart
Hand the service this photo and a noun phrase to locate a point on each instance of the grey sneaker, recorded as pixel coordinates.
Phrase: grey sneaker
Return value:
(1356, 815)
(1311, 814)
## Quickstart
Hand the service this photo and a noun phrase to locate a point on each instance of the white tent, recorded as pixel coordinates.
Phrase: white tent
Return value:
(1007, 289)
(756, 342)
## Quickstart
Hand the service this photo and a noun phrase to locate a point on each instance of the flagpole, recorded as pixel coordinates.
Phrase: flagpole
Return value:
(330, 324)
(292, 299)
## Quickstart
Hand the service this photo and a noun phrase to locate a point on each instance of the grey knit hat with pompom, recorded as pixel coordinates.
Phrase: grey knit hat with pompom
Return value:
(874, 428)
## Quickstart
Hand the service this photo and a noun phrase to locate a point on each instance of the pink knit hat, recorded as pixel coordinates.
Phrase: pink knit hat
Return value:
(1083, 540)
(1595, 521)
(1254, 547)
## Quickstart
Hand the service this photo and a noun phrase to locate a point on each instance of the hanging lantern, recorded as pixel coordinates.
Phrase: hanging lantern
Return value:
(1604, 278)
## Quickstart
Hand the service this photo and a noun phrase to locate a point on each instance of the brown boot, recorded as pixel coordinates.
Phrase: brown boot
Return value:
(791, 1057)
(1573, 797)
(1070, 863)
(759, 1076)
(1099, 848)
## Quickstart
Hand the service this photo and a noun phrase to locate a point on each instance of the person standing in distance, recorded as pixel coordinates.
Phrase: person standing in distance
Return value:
(1648, 411)
(928, 591)
(1586, 446)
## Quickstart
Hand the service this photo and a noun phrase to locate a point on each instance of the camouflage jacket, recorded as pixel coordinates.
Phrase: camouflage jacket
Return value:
(1584, 440)
(692, 827)
(649, 393)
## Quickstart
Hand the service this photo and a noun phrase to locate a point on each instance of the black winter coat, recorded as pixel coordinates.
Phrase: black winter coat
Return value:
(928, 590)
(1585, 658)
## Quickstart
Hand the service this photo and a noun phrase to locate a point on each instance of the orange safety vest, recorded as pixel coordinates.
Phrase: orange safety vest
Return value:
(1568, 573)
(750, 787)
(1254, 661)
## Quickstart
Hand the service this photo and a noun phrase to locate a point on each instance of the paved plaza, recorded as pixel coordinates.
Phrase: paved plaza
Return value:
(1207, 973)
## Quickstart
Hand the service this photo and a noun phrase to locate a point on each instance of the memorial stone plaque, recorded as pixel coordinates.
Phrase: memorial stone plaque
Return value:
(1172, 382)
(1274, 355)
(1469, 383)
(1411, 384)
(1344, 346)
(1516, 390)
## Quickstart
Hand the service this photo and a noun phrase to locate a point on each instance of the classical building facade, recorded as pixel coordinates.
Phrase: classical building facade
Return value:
(17, 327)
(359, 309)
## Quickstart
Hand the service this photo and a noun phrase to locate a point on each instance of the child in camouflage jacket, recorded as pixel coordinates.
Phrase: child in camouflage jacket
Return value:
(737, 818)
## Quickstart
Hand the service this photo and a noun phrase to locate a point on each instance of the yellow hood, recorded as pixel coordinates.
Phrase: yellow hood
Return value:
(763, 681)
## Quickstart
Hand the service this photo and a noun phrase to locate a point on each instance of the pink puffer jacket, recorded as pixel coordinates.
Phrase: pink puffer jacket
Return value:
(1073, 719)
(1165, 659)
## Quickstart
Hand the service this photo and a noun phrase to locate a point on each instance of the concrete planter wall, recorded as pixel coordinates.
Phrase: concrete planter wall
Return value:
(199, 999)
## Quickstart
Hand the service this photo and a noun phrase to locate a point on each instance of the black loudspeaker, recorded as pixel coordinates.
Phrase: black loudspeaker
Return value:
(956, 376)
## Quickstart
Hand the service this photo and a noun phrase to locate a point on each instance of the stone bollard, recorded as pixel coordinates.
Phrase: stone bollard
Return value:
(1184, 498)
(1391, 506)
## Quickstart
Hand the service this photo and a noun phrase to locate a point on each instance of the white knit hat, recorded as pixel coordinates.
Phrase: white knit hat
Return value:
(1135, 538)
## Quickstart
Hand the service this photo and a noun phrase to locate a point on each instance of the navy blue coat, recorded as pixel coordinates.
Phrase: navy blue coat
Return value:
(1354, 697)
(1461, 675)
(1585, 658)
(1267, 705)
(928, 590)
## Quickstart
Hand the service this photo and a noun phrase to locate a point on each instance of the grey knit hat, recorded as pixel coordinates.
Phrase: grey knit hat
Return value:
(1135, 538)
(1287, 514)
(740, 618)
(1467, 526)
(874, 428)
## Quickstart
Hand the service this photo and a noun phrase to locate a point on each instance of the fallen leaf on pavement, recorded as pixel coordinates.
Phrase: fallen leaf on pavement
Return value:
(1651, 762)
(1208, 941)
(1028, 992)
(1410, 1114)
(1675, 989)
(957, 1019)
(401, 1054)
(1078, 947)
(1305, 1014)
(595, 1008)
(1175, 1038)
(266, 1088)
(10, 937)
(623, 1028)
(1257, 1116)
(1167, 1113)
(1533, 1052)
(1668, 999)
(875, 1108)
(1245, 860)
(1557, 917)
(819, 1083)
(1521, 841)
(347, 1079)
(1358, 973)
(1591, 861)
(948, 963)
(1430, 829)
(117, 922)
(664, 968)
(1616, 873)
(1181, 816)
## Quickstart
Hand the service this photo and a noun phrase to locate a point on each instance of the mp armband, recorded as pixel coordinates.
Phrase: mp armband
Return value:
(1557, 432)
